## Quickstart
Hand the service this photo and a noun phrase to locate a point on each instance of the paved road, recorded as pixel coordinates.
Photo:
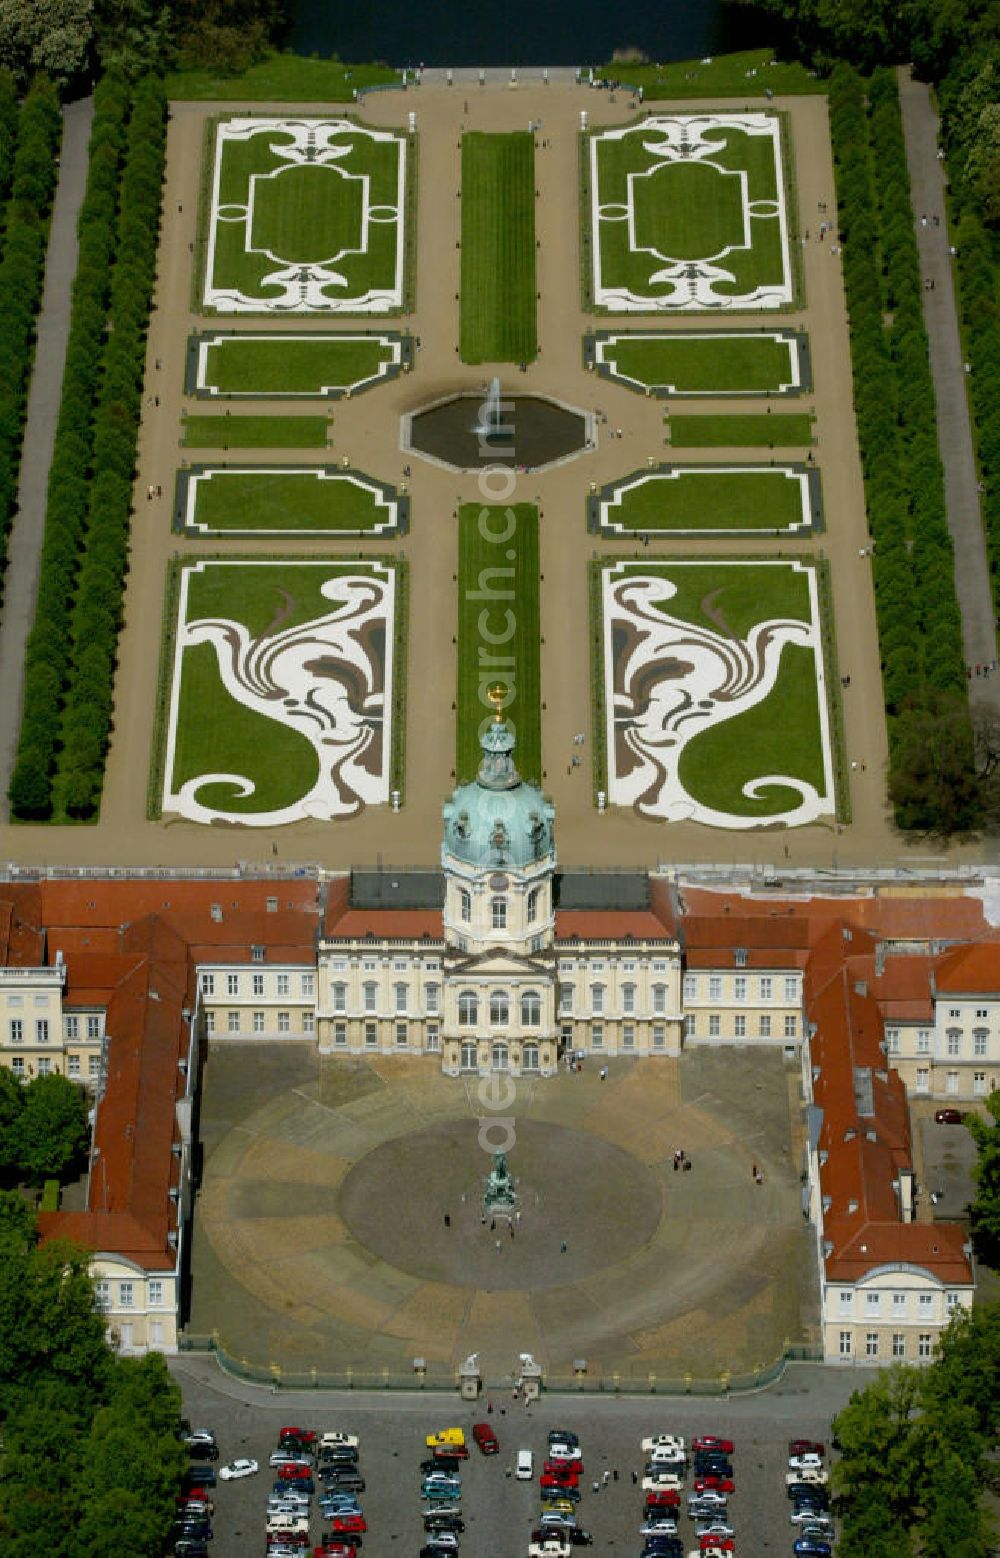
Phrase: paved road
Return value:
(21, 582)
(498, 1510)
(972, 576)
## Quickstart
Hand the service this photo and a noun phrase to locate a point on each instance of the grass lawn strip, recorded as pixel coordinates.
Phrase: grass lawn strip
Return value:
(498, 287)
(275, 365)
(280, 500)
(688, 212)
(713, 362)
(306, 216)
(716, 499)
(714, 686)
(281, 694)
(729, 432)
(226, 432)
(498, 631)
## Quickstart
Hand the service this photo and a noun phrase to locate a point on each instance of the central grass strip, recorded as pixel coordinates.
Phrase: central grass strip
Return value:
(225, 432)
(498, 631)
(763, 432)
(498, 321)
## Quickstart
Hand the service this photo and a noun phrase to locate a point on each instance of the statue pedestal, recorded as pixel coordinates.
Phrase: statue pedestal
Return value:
(470, 1381)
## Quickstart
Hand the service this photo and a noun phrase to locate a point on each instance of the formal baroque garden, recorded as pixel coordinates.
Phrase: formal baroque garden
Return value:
(306, 216)
(265, 500)
(703, 362)
(254, 364)
(711, 500)
(688, 212)
(281, 705)
(712, 686)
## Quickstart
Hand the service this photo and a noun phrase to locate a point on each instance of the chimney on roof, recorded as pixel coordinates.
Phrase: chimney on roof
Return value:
(879, 959)
(860, 987)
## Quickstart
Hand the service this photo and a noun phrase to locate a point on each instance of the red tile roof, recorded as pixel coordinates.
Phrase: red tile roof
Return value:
(104, 901)
(22, 940)
(399, 924)
(605, 924)
(894, 915)
(971, 970)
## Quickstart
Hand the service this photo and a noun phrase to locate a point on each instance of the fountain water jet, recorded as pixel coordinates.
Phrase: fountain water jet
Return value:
(490, 422)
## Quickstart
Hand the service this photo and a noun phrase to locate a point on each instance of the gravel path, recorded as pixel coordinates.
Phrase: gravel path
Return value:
(21, 581)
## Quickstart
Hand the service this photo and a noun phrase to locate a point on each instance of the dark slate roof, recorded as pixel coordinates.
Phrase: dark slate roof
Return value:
(397, 889)
(602, 890)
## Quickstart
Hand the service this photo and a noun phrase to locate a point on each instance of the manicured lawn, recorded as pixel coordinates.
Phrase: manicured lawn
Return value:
(709, 499)
(688, 363)
(762, 431)
(498, 321)
(498, 592)
(779, 735)
(286, 211)
(310, 502)
(226, 432)
(685, 210)
(281, 78)
(747, 74)
(735, 598)
(292, 365)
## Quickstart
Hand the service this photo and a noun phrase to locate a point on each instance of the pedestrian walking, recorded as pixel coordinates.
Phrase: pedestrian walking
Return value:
(635, 1478)
(563, 1247)
(447, 1220)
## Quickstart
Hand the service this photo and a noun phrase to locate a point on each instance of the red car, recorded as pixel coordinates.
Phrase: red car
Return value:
(335, 1550)
(949, 1117)
(549, 1480)
(294, 1473)
(346, 1525)
(718, 1484)
(559, 1463)
(710, 1442)
(302, 1435)
(805, 1447)
(450, 1452)
(663, 1498)
(486, 1439)
(717, 1544)
(288, 1539)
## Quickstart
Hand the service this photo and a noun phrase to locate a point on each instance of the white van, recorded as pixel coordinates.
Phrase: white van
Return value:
(525, 1468)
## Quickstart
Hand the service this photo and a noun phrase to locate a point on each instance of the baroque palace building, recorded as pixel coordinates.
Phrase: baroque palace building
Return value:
(883, 997)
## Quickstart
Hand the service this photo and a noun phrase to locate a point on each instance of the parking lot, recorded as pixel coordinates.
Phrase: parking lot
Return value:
(500, 1511)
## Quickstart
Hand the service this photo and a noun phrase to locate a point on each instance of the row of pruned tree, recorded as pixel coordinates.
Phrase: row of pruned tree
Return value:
(72, 648)
(932, 781)
(29, 165)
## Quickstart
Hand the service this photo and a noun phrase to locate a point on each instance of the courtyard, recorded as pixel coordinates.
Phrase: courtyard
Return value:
(339, 1220)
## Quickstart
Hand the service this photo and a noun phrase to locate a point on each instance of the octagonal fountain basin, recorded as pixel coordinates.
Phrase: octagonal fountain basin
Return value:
(468, 431)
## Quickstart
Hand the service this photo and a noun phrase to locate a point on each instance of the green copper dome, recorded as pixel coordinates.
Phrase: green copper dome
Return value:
(498, 820)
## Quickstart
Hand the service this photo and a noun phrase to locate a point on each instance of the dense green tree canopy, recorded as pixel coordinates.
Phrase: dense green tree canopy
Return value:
(50, 1134)
(986, 1204)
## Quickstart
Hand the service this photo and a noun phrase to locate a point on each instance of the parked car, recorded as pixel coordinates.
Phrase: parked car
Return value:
(714, 1527)
(810, 1515)
(807, 1476)
(558, 1479)
(949, 1116)
(445, 1436)
(714, 1485)
(804, 1460)
(199, 1477)
(556, 1504)
(335, 1440)
(347, 1477)
(243, 1467)
(524, 1468)
(664, 1498)
(710, 1442)
(191, 1547)
(562, 1436)
(441, 1493)
(485, 1438)
(806, 1547)
(290, 1458)
(441, 1520)
(564, 1449)
(663, 1442)
(559, 1490)
(805, 1447)
(433, 1463)
(349, 1523)
(554, 1546)
(442, 1542)
(334, 1548)
(659, 1525)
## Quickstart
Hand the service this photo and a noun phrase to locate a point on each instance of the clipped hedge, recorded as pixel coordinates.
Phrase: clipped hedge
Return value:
(28, 172)
(71, 652)
(919, 622)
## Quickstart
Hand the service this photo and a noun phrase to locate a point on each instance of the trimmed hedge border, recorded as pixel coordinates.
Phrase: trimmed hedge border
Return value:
(30, 172)
(917, 611)
(73, 645)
